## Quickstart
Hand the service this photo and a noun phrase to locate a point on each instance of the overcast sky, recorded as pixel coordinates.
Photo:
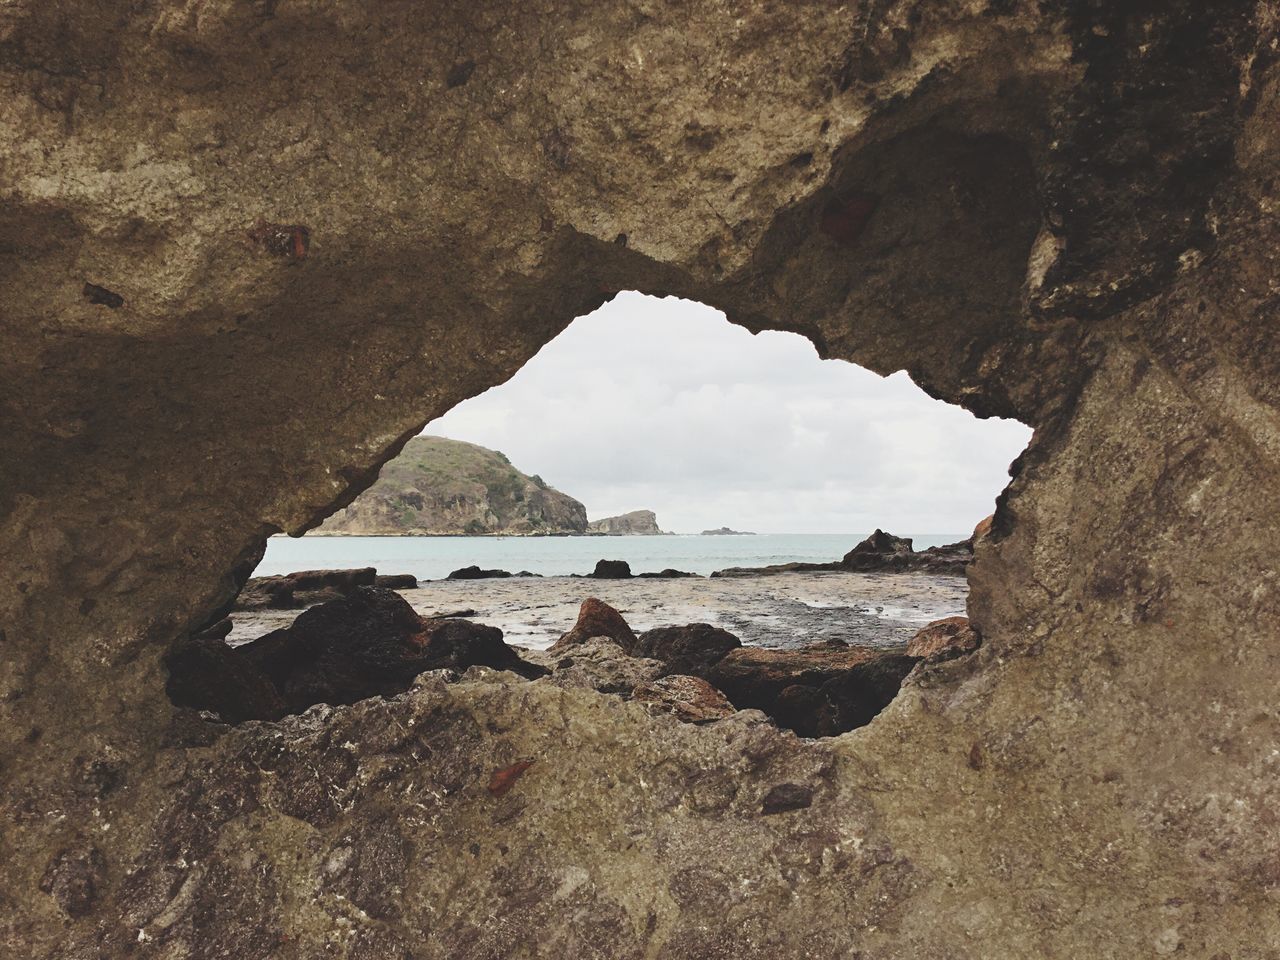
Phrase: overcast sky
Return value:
(663, 405)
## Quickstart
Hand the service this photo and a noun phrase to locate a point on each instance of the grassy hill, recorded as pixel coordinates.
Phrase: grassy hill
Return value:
(439, 487)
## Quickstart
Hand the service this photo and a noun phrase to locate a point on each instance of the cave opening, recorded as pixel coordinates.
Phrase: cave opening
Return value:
(661, 414)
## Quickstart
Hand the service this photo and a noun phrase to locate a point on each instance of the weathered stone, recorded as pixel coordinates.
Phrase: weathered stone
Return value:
(944, 639)
(474, 572)
(611, 570)
(366, 643)
(598, 664)
(688, 699)
(306, 229)
(690, 649)
(597, 619)
(396, 581)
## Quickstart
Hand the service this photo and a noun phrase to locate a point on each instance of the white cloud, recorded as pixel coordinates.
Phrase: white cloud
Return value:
(665, 405)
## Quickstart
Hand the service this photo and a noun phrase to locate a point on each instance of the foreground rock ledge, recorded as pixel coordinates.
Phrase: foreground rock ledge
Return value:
(246, 249)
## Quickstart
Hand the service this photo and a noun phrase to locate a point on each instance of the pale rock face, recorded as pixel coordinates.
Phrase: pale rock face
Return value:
(248, 249)
(635, 523)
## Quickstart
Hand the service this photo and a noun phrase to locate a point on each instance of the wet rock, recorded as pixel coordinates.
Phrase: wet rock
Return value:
(368, 643)
(689, 699)
(884, 552)
(302, 588)
(944, 639)
(690, 649)
(597, 619)
(599, 664)
(473, 572)
(396, 581)
(667, 574)
(880, 544)
(612, 570)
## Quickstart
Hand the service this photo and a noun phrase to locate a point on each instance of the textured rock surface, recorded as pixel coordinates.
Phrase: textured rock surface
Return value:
(692, 648)
(688, 699)
(637, 523)
(247, 249)
(597, 619)
(948, 637)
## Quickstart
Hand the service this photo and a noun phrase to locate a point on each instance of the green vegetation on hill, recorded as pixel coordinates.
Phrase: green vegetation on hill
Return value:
(438, 486)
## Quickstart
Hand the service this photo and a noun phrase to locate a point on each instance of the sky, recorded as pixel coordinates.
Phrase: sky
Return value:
(663, 405)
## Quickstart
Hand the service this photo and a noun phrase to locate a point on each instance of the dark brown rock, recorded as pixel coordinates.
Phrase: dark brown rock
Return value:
(302, 588)
(597, 619)
(207, 674)
(612, 570)
(690, 649)
(396, 581)
(944, 639)
(367, 643)
(473, 572)
(457, 644)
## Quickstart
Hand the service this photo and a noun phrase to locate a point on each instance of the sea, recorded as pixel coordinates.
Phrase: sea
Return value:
(433, 558)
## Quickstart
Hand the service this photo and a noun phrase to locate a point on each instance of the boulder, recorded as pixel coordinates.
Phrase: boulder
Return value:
(881, 543)
(688, 699)
(301, 588)
(667, 574)
(473, 572)
(880, 551)
(691, 649)
(456, 644)
(944, 639)
(612, 570)
(342, 580)
(207, 674)
(597, 619)
(600, 664)
(396, 581)
(367, 643)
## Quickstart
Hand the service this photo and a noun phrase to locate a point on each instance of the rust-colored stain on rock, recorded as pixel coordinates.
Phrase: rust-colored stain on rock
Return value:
(289, 240)
(503, 780)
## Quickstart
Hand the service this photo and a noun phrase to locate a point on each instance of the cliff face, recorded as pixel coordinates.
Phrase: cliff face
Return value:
(247, 250)
(437, 486)
(637, 523)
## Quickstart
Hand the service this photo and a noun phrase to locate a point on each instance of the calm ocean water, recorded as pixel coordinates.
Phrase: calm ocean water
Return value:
(432, 558)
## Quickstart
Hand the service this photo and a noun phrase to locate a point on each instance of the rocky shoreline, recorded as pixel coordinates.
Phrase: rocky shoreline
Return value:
(370, 641)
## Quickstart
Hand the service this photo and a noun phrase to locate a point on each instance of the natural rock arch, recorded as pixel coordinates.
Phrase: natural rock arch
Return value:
(227, 225)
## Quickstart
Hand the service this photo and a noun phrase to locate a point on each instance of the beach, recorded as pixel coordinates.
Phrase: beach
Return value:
(786, 610)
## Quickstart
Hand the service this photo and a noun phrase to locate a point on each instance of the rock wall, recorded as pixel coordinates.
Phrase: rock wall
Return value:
(248, 249)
